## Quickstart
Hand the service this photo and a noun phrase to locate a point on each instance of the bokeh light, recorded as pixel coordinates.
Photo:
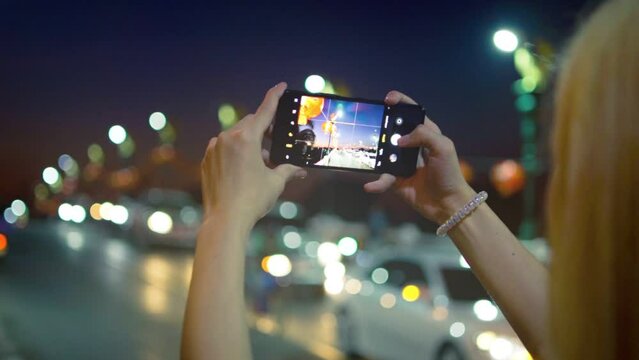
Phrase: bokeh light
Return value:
(65, 162)
(314, 83)
(9, 216)
(288, 210)
(485, 340)
(501, 349)
(457, 329)
(310, 249)
(160, 222)
(333, 286)
(94, 212)
(335, 270)
(157, 121)
(3, 242)
(485, 310)
(347, 246)
(189, 215)
(227, 116)
(505, 40)
(278, 265)
(65, 211)
(292, 239)
(328, 253)
(379, 276)
(117, 134)
(95, 153)
(119, 215)
(105, 211)
(50, 175)
(78, 214)
(410, 293)
(353, 286)
(18, 207)
(387, 301)
(508, 177)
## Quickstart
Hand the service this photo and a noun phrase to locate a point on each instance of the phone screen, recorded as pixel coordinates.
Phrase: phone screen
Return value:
(338, 133)
(328, 131)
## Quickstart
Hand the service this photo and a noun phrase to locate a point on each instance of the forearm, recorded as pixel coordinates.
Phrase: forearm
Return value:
(215, 323)
(514, 278)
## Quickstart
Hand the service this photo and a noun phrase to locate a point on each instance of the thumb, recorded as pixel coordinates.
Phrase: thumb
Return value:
(289, 172)
(424, 137)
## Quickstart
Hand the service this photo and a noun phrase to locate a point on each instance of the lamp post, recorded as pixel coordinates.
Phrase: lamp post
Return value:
(532, 70)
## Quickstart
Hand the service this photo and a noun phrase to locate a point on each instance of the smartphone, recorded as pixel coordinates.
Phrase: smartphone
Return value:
(340, 133)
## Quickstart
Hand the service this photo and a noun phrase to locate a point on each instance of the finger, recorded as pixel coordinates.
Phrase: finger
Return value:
(269, 132)
(266, 112)
(431, 125)
(209, 148)
(289, 172)
(380, 185)
(422, 136)
(206, 176)
(266, 156)
(395, 97)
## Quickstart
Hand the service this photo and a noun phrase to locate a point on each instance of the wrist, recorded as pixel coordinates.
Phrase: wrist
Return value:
(453, 203)
(233, 216)
(227, 221)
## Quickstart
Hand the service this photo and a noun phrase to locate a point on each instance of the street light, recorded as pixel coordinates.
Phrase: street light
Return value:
(532, 71)
(117, 134)
(157, 121)
(314, 83)
(505, 40)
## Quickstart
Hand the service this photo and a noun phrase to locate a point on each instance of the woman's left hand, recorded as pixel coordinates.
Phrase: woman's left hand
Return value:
(235, 179)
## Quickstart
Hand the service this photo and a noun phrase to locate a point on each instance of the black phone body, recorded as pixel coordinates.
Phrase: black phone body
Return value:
(340, 133)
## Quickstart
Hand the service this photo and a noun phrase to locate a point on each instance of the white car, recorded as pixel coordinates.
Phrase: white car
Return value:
(421, 303)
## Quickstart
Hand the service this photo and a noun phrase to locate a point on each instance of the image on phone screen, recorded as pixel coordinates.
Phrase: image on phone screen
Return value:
(329, 131)
(338, 133)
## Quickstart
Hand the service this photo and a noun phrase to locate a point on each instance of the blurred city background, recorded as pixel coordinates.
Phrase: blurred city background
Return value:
(106, 109)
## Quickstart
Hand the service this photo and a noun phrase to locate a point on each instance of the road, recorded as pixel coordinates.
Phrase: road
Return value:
(83, 292)
(348, 159)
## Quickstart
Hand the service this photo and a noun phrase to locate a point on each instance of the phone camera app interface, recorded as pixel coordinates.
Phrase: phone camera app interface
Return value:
(336, 133)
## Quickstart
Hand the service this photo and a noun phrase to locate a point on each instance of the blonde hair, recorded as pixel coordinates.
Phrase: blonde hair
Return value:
(593, 215)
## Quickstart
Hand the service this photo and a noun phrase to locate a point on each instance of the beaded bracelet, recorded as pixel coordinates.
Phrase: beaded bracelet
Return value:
(462, 213)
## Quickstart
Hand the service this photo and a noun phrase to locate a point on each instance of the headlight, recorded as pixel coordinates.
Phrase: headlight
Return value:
(502, 347)
(160, 222)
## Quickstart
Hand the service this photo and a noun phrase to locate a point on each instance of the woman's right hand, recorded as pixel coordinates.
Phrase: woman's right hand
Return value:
(437, 189)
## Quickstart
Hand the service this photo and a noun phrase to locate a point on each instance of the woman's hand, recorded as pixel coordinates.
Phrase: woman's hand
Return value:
(438, 189)
(235, 178)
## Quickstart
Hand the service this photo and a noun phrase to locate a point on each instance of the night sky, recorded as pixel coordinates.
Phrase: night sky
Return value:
(69, 70)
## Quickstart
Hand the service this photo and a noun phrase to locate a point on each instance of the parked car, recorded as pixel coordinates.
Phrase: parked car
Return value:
(164, 217)
(421, 303)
